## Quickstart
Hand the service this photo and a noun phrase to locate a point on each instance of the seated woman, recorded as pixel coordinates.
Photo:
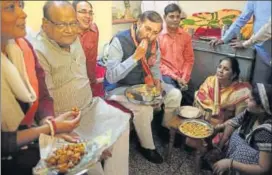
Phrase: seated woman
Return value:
(221, 96)
(249, 150)
(24, 97)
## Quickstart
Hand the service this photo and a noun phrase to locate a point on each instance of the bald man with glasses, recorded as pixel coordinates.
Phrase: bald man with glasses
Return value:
(62, 57)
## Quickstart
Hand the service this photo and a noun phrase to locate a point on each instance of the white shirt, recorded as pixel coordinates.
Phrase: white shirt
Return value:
(262, 35)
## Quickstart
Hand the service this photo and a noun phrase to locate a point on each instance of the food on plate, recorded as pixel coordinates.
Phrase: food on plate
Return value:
(145, 90)
(66, 157)
(130, 95)
(195, 129)
(143, 93)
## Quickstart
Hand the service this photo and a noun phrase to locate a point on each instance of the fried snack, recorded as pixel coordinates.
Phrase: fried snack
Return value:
(155, 91)
(66, 157)
(195, 129)
(75, 109)
(129, 95)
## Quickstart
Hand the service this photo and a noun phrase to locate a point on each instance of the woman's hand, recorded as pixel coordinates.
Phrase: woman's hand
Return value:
(63, 125)
(221, 166)
(67, 122)
(219, 128)
(69, 137)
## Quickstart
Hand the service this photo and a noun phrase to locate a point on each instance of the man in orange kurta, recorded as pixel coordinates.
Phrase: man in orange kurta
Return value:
(177, 52)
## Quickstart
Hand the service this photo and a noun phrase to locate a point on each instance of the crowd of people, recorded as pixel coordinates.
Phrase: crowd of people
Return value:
(44, 78)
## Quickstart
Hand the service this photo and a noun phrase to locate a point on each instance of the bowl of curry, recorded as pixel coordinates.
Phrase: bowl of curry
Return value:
(196, 128)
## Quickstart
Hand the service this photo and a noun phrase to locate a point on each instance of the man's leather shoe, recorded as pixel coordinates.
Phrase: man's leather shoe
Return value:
(151, 155)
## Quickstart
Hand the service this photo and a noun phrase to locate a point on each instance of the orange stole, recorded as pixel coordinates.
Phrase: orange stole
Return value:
(149, 80)
(31, 72)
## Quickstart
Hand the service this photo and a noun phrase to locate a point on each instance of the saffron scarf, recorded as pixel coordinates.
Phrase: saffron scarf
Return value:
(146, 63)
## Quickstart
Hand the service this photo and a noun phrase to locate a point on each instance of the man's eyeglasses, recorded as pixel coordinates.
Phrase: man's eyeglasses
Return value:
(61, 26)
(86, 13)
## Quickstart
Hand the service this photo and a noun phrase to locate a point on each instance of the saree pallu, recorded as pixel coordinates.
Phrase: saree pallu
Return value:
(222, 102)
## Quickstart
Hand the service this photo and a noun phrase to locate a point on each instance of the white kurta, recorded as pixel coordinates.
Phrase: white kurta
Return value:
(68, 83)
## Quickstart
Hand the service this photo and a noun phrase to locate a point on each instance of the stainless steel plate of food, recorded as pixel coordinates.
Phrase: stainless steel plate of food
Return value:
(143, 94)
(196, 128)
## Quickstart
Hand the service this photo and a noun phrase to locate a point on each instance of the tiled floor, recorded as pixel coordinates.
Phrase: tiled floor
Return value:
(182, 163)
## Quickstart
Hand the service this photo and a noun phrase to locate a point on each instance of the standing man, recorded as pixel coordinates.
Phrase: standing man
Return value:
(262, 35)
(131, 53)
(177, 56)
(62, 58)
(261, 11)
(89, 36)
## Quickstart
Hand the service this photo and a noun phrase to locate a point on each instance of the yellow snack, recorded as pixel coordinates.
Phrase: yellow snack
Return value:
(75, 109)
(66, 157)
(195, 129)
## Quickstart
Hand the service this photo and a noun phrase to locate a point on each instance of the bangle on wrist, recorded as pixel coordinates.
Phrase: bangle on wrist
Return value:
(54, 125)
(43, 121)
(51, 127)
(231, 165)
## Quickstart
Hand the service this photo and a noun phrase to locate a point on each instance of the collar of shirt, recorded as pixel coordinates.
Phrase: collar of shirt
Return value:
(165, 31)
(93, 28)
(43, 35)
(55, 44)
